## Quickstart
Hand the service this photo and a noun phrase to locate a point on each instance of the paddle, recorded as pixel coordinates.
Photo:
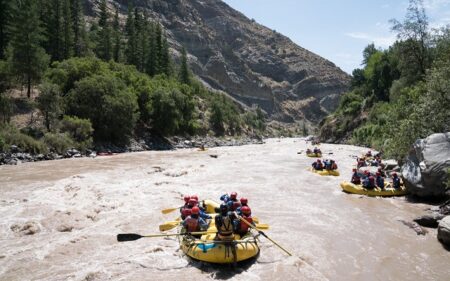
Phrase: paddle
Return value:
(123, 237)
(263, 234)
(168, 211)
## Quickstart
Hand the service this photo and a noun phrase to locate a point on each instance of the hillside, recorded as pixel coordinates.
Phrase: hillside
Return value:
(250, 62)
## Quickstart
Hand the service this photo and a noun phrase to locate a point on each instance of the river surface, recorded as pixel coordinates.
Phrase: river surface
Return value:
(75, 208)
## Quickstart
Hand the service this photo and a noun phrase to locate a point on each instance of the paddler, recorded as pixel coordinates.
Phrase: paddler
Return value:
(194, 222)
(379, 180)
(224, 224)
(395, 181)
(241, 227)
(356, 179)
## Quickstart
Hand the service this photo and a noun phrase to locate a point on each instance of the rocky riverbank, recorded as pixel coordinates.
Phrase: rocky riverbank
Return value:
(14, 156)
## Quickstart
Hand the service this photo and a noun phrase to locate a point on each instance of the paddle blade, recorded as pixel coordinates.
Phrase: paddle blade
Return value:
(168, 225)
(262, 226)
(168, 211)
(128, 237)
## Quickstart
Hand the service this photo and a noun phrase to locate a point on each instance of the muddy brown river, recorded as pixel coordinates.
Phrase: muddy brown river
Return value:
(59, 219)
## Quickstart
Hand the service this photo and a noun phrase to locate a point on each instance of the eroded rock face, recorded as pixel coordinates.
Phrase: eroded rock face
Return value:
(252, 63)
(426, 167)
(444, 231)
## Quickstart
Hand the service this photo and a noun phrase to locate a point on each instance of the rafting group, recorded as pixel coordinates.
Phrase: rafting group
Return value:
(233, 217)
(365, 180)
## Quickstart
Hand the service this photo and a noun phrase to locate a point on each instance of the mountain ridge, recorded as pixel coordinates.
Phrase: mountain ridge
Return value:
(248, 61)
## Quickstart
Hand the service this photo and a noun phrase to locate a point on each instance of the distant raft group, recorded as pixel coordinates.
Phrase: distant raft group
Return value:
(366, 182)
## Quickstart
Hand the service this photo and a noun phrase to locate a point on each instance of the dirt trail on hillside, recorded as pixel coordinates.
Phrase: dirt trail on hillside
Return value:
(60, 218)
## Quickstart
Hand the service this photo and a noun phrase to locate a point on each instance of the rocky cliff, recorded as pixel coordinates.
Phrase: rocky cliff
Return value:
(250, 62)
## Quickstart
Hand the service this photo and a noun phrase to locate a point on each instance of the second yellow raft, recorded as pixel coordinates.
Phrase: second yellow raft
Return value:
(359, 189)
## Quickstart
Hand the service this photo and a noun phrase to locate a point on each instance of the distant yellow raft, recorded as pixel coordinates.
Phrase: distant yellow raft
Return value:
(326, 172)
(387, 191)
(314, 155)
(205, 149)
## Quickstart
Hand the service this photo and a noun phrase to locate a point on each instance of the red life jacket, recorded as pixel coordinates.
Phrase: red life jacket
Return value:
(236, 205)
(185, 212)
(191, 224)
(244, 227)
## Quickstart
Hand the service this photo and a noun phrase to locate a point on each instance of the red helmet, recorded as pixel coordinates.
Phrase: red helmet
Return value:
(186, 198)
(318, 161)
(354, 170)
(186, 212)
(246, 210)
(394, 174)
(192, 202)
(233, 195)
(195, 210)
(244, 201)
(366, 172)
(378, 174)
(195, 197)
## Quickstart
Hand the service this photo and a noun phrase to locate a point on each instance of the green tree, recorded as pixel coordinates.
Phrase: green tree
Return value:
(50, 104)
(104, 35)
(130, 31)
(414, 50)
(79, 130)
(79, 29)
(184, 75)
(368, 52)
(27, 58)
(5, 10)
(117, 36)
(108, 104)
(166, 67)
(6, 108)
(67, 28)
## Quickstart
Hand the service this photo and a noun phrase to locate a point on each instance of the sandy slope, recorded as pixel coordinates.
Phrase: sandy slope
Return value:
(76, 207)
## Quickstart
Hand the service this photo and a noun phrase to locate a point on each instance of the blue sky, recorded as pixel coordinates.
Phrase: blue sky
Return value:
(337, 30)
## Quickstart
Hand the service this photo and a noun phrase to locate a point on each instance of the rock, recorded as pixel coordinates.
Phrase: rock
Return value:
(430, 220)
(65, 228)
(415, 226)
(40, 157)
(444, 231)
(389, 164)
(14, 148)
(72, 152)
(425, 170)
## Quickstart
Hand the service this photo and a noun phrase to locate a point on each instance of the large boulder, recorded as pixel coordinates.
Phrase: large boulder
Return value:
(425, 170)
(444, 231)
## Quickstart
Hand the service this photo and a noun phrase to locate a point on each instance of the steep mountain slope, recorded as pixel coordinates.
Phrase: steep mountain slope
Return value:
(250, 62)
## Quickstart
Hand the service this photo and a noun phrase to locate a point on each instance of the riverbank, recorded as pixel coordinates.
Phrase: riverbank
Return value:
(15, 156)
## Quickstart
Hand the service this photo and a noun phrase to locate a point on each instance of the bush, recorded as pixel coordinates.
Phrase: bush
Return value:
(108, 104)
(58, 143)
(6, 108)
(25, 143)
(80, 130)
(2, 144)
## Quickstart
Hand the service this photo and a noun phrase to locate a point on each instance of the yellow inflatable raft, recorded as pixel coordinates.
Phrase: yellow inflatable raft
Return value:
(387, 191)
(326, 172)
(314, 155)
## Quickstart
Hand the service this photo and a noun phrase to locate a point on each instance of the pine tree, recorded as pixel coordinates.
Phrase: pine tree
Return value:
(131, 36)
(158, 48)
(4, 20)
(151, 63)
(166, 67)
(67, 27)
(79, 29)
(51, 16)
(184, 75)
(117, 36)
(139, 29)
(104, 38)
(26, 57)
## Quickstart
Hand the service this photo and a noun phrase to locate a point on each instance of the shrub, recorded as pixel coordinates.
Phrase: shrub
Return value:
(80, 130)
(12, 136)
(58, 143)
(108, 104)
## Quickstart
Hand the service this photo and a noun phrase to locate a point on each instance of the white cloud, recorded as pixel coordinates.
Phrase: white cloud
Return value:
(435, 4)
(379, 41)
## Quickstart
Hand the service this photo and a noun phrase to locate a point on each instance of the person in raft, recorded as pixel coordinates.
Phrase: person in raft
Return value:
(395, 181)
(369, 154)
(330, 164)
(227, 198)
(241, 227)
(379, 180)
(244, 203)
(356, 179)
(317, 151)
(308, 151)
(224, 224)
(369, 182)
(194, 223)
(317, 165)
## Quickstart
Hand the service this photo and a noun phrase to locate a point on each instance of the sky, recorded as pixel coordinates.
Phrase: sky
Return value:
(337, 30)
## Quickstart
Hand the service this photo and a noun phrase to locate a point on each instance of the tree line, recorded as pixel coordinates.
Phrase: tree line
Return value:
(401, 93)
(35, 33)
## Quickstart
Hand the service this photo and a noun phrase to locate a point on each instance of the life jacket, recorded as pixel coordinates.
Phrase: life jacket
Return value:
(236, 205)
(380, 182)
(191, 224)
(372, 182)
(185, 212)
(356, 179)
(224, 226)
(396, 182)
(243, 228)
(334, 166)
